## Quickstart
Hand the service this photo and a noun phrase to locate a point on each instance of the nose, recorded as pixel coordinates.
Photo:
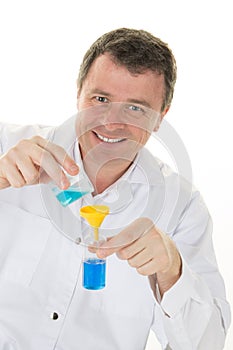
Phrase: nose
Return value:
(113, 118)
(113, 126)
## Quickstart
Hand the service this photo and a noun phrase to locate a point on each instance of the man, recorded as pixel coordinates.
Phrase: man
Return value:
(162, 271)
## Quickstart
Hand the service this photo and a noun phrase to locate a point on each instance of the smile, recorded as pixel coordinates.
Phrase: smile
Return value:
(108, 140)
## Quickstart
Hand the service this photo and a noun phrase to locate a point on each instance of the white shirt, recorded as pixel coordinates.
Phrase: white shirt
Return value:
(41, 265)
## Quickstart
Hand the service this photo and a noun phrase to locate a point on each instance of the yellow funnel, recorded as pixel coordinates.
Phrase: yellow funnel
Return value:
(94, 214)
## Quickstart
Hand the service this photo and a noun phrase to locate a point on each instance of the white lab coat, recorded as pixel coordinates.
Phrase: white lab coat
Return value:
(41, 266)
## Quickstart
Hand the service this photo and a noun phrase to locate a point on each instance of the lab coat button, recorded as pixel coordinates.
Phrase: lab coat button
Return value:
(54, 316)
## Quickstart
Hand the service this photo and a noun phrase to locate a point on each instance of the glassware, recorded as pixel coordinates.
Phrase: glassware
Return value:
(79, 187)
(94, 268)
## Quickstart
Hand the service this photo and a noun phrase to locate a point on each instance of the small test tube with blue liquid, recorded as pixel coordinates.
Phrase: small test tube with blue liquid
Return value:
(94, 268)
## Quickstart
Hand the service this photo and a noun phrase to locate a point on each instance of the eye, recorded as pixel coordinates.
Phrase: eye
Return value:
(135, 108)
(138, 111)
(101, 99)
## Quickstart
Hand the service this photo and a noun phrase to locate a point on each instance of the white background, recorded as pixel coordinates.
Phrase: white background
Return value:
(41, 47)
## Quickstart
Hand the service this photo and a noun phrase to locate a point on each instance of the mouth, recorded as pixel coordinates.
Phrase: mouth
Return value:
(108, 139)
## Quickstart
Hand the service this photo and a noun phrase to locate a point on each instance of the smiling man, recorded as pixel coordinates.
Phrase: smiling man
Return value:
(163, 273)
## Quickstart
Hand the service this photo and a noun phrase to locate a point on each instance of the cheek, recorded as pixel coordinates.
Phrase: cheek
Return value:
(139, 135)
(82, 146)
(85, 143)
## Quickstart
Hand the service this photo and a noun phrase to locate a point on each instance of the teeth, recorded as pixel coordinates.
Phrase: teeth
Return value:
(106, 139)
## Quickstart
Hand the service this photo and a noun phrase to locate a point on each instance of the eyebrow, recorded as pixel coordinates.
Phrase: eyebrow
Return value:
(129, 100)
(101, 92)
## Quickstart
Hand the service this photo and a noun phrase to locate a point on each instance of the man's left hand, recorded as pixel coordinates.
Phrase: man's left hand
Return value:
(148, 250)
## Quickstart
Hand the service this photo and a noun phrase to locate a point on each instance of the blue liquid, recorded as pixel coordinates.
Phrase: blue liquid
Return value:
(69, 196)
(94, 271)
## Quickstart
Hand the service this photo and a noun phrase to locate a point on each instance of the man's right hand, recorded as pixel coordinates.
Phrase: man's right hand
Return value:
(35, 160)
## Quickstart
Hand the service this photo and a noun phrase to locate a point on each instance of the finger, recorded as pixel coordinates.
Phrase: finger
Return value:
(133, 248)
(44, 178)
(126, 237)
(143, 261)
(14, 176)
(51, 158)
(29, 170)
(27, 152)
(59, 154)
(146, 260)
(4, 183)
(52, 168)
(151, 242)
(9, 172)
(112, 246)
(147, 269)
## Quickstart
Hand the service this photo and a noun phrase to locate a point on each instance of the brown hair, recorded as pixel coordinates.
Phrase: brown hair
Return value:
(138, 51)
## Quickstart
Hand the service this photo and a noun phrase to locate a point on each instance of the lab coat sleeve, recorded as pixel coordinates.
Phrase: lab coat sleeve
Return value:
(7, 343)
(9, 135)
(1, 129)
(195, 313)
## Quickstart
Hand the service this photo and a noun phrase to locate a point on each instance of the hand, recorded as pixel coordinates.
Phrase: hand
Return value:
(148, 250)
(35, 160)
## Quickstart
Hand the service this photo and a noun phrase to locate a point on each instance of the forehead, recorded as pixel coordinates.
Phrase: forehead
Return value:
(120, 84)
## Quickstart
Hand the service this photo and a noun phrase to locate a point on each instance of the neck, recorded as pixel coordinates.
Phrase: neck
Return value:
(105, 176)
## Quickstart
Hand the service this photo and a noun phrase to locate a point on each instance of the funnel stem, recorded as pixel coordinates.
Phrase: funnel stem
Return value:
(96, 233)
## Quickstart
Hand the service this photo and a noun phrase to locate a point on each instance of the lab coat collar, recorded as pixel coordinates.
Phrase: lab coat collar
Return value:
(65, 135)
(148, 169)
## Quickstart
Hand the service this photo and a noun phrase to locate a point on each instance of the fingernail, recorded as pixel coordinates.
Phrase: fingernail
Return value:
(101, 254)
(74, 167)
(64, 184)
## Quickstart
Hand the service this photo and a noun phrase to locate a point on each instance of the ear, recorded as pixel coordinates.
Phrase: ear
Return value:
(78, 95)
(161, 116)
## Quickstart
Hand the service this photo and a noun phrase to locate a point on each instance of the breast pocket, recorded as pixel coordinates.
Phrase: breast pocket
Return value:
(23, 236)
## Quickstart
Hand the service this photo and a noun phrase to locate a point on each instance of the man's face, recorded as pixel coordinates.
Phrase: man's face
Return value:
(117, 110)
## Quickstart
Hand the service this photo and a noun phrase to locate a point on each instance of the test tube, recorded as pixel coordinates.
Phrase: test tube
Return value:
(94, 268)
